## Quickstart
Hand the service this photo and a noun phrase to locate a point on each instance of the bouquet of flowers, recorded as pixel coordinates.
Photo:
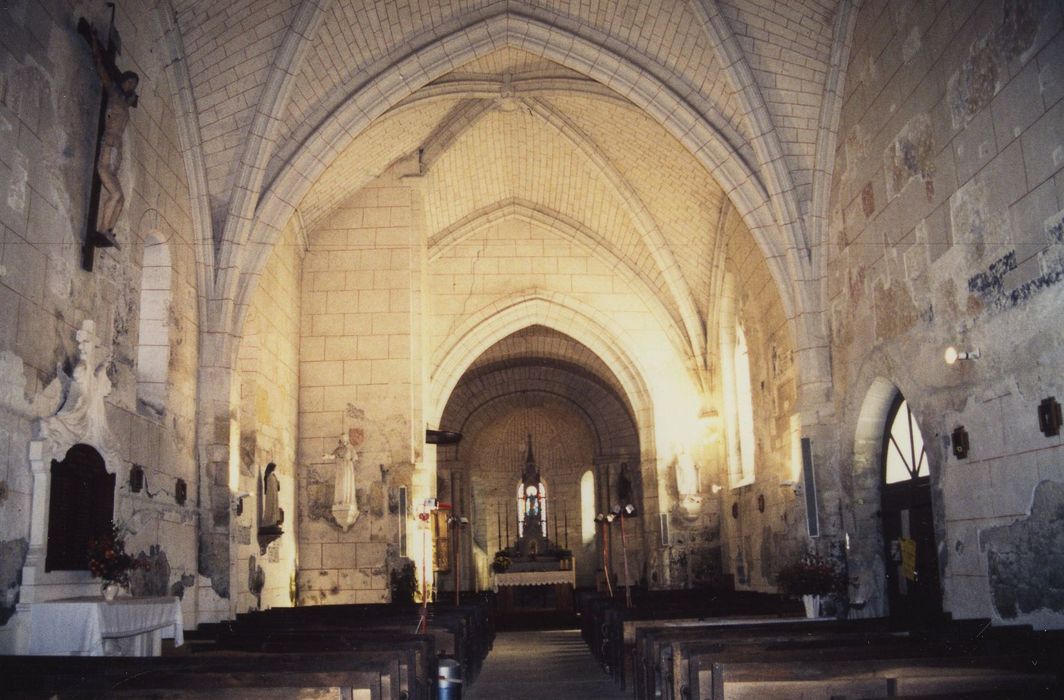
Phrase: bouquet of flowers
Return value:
(108, 558)
(810, 575)
(501, 563)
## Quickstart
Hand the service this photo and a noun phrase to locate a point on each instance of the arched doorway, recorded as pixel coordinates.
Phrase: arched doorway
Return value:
(913, 586)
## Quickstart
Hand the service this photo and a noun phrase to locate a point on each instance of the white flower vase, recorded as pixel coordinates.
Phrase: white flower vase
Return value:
(812, 606)
(110, 590)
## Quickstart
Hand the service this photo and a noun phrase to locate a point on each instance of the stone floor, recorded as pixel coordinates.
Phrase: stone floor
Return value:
(542, 665)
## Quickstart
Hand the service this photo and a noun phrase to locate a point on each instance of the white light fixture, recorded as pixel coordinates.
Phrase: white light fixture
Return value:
(952, 355)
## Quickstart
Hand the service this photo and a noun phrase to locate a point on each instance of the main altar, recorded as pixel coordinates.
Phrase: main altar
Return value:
(533, 574)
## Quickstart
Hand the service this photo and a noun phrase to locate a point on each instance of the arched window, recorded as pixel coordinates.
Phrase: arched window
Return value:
(587, 506)
(741, 457)
(153, 337)
(531, 502)
(904, 449)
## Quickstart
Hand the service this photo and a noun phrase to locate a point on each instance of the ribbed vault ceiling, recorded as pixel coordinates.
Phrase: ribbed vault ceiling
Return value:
(514, 127)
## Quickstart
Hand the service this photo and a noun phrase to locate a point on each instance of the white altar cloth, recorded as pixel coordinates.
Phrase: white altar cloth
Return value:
(91, 626)
(534, 578)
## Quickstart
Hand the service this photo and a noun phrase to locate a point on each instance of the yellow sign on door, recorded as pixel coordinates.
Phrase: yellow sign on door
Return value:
(908, 558)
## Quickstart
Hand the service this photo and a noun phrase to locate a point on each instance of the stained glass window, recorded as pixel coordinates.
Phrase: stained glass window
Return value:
(531, 502)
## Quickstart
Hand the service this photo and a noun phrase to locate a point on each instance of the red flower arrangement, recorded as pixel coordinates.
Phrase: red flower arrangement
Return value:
(810, 575)
(108, 558)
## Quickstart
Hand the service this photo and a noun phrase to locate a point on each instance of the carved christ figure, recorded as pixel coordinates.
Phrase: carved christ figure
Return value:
(83, 416)
(345, 499)
(119, 94)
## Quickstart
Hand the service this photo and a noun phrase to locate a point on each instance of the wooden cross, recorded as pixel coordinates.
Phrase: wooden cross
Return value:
(118, 97)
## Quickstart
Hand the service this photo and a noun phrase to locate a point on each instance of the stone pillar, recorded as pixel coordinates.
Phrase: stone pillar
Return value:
(219, 440)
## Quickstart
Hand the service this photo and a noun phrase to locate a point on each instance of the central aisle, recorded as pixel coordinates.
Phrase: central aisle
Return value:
(542, 665)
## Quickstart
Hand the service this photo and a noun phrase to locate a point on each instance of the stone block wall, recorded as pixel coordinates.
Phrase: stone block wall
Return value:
(357, 376)
(945, 230)
(768, 531)
(269, 392)
(49, 95)
(491, 462)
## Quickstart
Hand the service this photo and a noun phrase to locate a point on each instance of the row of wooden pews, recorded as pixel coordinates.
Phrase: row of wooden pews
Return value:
(736, 655)
(609, 627)
(364, 652)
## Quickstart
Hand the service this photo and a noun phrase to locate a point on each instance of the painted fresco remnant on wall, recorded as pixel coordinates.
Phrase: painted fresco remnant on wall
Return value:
(868, 200)
(895, 312)
(973, 221)
(982, 75)
(911, 154)
(152, 577)
(1025, 560)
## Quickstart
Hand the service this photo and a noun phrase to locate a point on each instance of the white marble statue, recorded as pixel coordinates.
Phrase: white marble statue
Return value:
(82, 418)
(345, 498)
(686, 475)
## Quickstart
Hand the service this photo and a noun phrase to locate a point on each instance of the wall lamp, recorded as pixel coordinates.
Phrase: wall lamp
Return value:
(952, 355)
(238, 502)
(791, 484)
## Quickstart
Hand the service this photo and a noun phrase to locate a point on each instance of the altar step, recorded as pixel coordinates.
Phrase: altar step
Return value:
(539, 664)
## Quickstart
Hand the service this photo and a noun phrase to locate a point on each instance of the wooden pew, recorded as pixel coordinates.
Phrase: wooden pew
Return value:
(613, 626)
(656, 663)
(465, 634)
(415, 654)
(826, 664)
(214, 676)
(876, 678)
(470, 627)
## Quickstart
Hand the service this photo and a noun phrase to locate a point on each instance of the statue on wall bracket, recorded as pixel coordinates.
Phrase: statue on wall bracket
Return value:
(107, 199)
(345, 498)
(687, 478)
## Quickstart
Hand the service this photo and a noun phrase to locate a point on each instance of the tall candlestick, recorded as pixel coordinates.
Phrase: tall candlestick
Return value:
(507, 525)
(498, 525)
(566, 528)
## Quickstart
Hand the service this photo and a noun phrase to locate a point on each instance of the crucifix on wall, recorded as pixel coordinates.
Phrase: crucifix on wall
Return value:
(119, 96)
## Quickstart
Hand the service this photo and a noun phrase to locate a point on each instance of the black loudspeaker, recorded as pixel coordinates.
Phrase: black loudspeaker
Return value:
(959, 440)
(136, 478)
(812, 515)
(1049, 417)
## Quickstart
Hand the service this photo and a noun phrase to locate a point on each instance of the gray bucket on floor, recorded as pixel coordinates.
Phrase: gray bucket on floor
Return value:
(449, 680)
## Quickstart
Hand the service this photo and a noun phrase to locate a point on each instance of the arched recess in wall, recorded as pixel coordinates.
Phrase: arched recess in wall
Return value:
(153, 331)
(866, 560)
(910, 546)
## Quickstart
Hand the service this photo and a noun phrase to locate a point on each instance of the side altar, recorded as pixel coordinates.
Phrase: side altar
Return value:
(533, 574)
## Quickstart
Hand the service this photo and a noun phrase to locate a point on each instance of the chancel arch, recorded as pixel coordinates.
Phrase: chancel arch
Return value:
(535, 409)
